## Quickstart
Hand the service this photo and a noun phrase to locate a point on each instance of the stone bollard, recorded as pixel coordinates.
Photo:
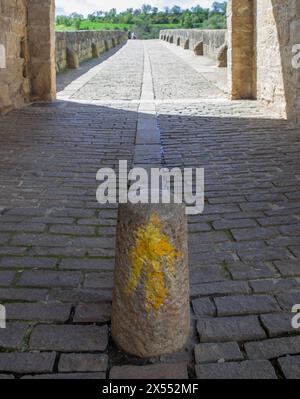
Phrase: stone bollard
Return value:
(198, 50)
(95, 50)
(72, 59)
(151, 314)
(222, 56)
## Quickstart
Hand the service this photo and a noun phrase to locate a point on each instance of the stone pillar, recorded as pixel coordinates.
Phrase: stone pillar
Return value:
(151, 315)
(198, 50)
(241, 46)
(41, 42)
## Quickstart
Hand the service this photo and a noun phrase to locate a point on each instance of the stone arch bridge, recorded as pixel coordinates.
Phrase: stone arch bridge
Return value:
(150, 102)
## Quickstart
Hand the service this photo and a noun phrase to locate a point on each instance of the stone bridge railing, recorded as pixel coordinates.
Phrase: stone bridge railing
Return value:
(74, 47)
(212, 43)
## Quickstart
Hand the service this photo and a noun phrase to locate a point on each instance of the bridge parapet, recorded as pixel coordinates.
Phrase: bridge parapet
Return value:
(212, 40)
(72, 48)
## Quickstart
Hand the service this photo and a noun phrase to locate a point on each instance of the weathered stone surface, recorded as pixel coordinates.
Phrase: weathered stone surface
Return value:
(23, 363)
(274, 286)
(289, 268)
(38, 311)
(45, 278)
(6, 278)
(158, 371)
(243, 370)
(69, 338)
(151, 289)
(222, 56)
(12, 336)
(252, 304)
(246, 271)
(93, 313)
(23, 294)
(278, 324)
(220, 288)
(217, 352)
(203, 307)
(82, 363)
(273, 348)
(72, 59)
(288, 300)
(224, 329)
(290, 367)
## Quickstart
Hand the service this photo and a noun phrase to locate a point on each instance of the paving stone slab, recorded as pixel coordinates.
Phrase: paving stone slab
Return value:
(157, 371)
(99, 280)
(38, 311)
(79, 295)
(12, 336)
(278, 324)
(203, 307)
(69, 338)
(223, 329)
(274, 286)
(82, 363)
(220, 288)
(217, 352)
(23, 294)
(246, 271)
(288, 300)
(93, 313)
(6, 278)
(258, 233)
(23, 363)
(243, 305)
(87, 264)
(290, 367)
(45, 279)
(27, 263)
(236, 371)
(206, 274)
(289, 268)
(273, 348)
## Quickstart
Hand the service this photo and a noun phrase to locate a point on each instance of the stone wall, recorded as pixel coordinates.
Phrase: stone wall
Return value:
(278, 30)
(241, 51)
(75, 47)
(261, 35)
(212, 40)
(27, 72)
(14, 78)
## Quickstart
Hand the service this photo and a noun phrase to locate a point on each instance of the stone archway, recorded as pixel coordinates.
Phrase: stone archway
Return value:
(261, 34)
(41, 48)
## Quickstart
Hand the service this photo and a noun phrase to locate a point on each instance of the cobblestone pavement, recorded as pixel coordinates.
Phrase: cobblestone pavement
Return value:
(57, 243)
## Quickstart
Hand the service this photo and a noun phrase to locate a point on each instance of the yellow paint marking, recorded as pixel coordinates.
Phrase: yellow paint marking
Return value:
(154, 254)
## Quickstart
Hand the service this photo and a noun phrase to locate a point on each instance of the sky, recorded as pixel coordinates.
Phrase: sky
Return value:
(88, 6)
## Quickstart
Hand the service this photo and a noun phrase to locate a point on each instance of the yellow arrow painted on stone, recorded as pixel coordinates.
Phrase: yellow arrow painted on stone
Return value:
(154, 254)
